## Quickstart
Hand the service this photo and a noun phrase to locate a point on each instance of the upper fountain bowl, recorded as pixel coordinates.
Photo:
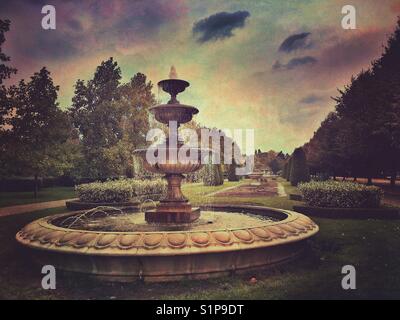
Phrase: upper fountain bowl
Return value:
(173, 87)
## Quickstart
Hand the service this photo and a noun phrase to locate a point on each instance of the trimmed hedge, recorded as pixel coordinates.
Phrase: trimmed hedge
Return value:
(120, 190)
(335, 194)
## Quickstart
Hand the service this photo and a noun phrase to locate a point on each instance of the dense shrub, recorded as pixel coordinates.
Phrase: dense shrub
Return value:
(320, 176)
(213, 175)
(299, 171)
(232, 176)
(120, 190)
(340, 194)
(148, 187)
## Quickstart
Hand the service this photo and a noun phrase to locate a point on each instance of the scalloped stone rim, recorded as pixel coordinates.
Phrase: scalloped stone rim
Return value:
(170, 255)
(42, 234)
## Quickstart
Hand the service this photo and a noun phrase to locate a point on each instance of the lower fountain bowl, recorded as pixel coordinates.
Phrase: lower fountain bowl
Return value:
(164, 254)
(167, 166)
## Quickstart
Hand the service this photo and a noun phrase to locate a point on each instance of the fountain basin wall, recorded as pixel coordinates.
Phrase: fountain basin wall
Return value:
(170, 255)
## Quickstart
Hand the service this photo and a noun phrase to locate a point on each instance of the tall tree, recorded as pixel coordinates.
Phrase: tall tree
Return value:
(387, 72)
(112, 119)
(38, 127)
(5, 73)
(275, 165)
(362, 136)
(299, 171)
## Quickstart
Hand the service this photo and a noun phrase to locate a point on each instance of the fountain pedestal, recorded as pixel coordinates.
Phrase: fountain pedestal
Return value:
(175, 208)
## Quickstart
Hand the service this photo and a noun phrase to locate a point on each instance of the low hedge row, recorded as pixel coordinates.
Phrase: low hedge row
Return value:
(120, 190)
(340, 194)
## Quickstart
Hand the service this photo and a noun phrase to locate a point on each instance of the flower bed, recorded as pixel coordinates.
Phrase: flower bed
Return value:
(121, 191)
(335, 194)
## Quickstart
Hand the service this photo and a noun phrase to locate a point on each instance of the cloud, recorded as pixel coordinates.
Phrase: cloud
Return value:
(87, 26)
(299, 117)
(219, 26)
(352, 51)
(295, 63)
(295, 42)
(311, 99)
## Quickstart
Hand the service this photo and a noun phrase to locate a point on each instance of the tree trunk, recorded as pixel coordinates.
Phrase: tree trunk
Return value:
(35, 190)
(344, 178)
(369, 181)
(355, 179)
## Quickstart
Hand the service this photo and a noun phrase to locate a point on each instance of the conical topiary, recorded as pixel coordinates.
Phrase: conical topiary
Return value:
(299, 169)
(289, 169)
(232, 172)
(285, 170)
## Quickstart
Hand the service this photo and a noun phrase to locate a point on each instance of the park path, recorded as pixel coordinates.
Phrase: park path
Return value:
(272, 188)
(24, 208)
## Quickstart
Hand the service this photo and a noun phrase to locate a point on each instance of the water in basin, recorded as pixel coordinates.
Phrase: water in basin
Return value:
(132, 222)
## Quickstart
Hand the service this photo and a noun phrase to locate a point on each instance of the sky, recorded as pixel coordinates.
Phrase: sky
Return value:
(267, 65)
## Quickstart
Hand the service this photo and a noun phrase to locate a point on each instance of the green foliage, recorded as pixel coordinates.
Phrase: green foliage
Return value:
(38, 131)
(289, 169)
(232, 176)
(361, 137)
(112, 119)
(299, 169)
(340, 194)
(285, 170)
(120, 190)
(275, 165)
(212, 175)
(5, 73)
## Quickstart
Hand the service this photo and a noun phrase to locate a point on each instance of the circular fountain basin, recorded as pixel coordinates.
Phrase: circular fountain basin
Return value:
(225, 240)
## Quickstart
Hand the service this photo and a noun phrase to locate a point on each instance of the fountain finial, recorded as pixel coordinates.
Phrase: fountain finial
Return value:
(172, 73)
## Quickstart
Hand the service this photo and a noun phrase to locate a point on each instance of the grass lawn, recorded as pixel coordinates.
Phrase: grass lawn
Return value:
(372, 246)
(45, 194)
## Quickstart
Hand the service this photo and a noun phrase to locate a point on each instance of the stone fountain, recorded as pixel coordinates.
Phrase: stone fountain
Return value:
(174, 208)
(174, 240)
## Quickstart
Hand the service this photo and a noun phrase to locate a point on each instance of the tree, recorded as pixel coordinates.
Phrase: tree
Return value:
(5, 73)
(38, 128)
(362, 136)
(212, 174)
(275, 165)
(112, 119)
(299, 172)
(232, 176)
(285, 170)
(387, 73)
(290, 165)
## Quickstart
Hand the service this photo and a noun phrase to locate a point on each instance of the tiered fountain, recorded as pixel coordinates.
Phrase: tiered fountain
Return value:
(174, 240)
